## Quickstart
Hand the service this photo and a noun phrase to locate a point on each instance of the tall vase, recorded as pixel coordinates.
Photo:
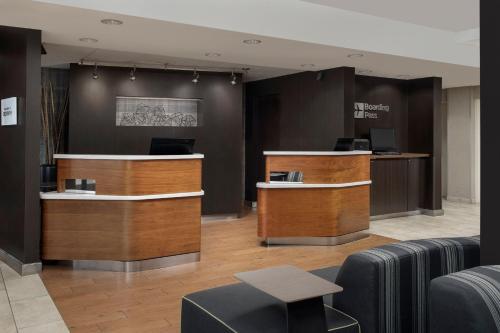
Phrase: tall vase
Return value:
(48, 177)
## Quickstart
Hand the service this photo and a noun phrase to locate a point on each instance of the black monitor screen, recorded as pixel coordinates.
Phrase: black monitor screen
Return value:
(164, 146)
(383, 139)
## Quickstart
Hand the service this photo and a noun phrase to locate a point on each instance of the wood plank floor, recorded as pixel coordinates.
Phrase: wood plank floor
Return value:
(91, 301)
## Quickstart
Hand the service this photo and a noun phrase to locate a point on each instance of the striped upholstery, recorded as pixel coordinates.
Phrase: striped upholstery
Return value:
(386, 288)
(467, 301)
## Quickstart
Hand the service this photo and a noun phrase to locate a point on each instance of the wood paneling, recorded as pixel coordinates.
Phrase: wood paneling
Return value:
(399, 185)
(389, 191)
(120, 230)
(322, 169)
(134, 177)
(220, 137)
(91, 301)
(324, 212)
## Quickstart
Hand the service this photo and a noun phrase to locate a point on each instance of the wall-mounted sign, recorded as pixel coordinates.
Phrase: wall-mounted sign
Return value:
(370, 111)
(9, 111)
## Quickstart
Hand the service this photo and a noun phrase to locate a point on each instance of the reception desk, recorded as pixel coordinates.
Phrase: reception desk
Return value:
(145, 212)
(331, 206)
(402, 185)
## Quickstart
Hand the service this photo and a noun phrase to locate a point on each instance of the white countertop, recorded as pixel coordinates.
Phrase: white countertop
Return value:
(75, 196)
(301, 185)
(128, 157)
(317, 153)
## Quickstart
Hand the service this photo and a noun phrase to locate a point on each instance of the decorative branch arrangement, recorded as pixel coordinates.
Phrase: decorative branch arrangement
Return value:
(53, 119)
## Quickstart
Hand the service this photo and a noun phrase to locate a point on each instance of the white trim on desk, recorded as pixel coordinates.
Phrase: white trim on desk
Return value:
(317, 153)
(299, 185)
(75, 196)
(128, 157)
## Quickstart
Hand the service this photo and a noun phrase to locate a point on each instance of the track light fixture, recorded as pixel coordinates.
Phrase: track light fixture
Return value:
(233, 79)
(196, 77)
(132, 74)
(95, 76)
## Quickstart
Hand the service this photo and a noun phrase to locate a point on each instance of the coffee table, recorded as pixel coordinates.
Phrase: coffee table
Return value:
(301, 291)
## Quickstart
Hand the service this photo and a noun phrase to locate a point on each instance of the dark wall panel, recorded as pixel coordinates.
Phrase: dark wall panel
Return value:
(490, 118)
(391, 92)
(92, 128)
(304, 111)
(424, 132)
(19, 148)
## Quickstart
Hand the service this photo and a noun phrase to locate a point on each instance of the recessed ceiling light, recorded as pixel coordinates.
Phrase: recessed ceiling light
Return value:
(252, 41)
(355, 55)
(308, 65)
(88, 40)
(111, 22)
(212, 54)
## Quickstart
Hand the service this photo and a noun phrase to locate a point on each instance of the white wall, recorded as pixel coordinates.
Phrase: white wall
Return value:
(461, 144)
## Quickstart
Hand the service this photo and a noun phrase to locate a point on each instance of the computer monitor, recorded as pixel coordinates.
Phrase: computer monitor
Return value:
(165, 146)
(383, 139)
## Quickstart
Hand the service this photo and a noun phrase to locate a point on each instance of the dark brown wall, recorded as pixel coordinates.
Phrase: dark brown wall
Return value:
(304, 111)
(92, 128)
(300, 112)
(392, 92)
(490, 118)
(424, 131)
(19, 149)
(415, 114)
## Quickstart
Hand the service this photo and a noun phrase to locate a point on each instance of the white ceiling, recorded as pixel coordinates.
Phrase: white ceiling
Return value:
(293, 32)
(452, 15)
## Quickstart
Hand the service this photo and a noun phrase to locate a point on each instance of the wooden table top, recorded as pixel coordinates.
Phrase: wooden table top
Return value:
(401, 156)
(288, 283)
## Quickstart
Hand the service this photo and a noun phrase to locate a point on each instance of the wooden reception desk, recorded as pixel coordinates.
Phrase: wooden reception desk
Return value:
(331, 206)
(145, 213)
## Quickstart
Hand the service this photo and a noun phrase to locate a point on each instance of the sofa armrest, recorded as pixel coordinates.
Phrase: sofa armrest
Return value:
(466, 302)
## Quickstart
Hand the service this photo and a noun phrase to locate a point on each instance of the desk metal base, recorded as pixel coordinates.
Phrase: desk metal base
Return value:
(131, 266)
(322, 241)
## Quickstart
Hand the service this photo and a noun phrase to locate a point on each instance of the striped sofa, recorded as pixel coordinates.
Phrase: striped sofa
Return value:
(385, 291)
(386, 288)
(466, 302)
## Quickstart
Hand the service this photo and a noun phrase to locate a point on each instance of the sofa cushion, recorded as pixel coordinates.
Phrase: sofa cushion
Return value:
(386, 288)
(466, 302)
(244, 309)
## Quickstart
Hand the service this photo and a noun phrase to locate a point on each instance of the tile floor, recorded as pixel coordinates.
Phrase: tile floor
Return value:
(459, 219)
(26, 307)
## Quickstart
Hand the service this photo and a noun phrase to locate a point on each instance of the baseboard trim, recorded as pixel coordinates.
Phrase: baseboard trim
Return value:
(128, 266)
(317, 241)
(218, 217)
(428, 212)
(433, 212)
(394, 215)
(459, 199)
(18, 266)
